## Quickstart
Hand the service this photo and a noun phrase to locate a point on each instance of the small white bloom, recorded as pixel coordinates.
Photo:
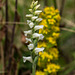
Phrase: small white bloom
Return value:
(28, 32)
(27, 59)
(37, 12)
(39, 19)
(28, 21)
(38, 27)
(34, 17)
(29, 15)
(37, 7)
(41, 37)
(35, 35)
(31, 25)
(28, 40)
(37, 50)
(35, 3)
(30, 10)
(30, 46)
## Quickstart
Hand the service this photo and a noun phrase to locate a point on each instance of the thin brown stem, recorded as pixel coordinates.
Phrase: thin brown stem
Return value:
(12, 39)
(6, 33)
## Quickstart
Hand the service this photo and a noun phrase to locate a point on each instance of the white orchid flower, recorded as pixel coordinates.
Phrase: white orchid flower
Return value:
(34, 17)
(38, 27)
(38, 19)
(27, 59)
(30, 46)
(28, 40)
(37, 50)
(40, 36)
(37, 12)
(28, 32)
(29, 15)
(31, 25)
(35, 35)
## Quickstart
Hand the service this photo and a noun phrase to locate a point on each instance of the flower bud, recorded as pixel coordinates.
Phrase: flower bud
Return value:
(37, 7)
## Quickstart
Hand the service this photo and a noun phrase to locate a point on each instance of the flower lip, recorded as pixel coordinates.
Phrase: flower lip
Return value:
(27, 59)
(38, 12)
(38, 19)
(34, 17)
(28, 40)
(40, 36)
(31, 24)
(29, 15)
(38, 27)
(37, 50)
(28, 32)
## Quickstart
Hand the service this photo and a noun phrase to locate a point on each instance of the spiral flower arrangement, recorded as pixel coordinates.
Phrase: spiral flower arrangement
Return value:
(34, 35)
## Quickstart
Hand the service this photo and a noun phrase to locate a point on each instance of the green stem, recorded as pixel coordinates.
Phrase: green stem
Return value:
(55, 4)
(33, 68)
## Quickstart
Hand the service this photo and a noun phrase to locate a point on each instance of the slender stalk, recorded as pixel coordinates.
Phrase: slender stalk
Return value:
(55, 4)
(33, 68)
(12, 39)
(6, 33)
(62, 7)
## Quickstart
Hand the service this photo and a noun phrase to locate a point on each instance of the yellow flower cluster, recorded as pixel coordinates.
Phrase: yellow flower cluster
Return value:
(40, 73)
(51, 20)
(52, 68)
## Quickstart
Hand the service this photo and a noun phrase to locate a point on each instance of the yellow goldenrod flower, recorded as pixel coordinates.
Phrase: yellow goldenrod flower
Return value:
(51, 20)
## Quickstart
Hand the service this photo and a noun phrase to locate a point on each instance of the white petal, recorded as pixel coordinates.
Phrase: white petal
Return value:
(30, 46)
(27, 59)
(28, 21)
(38, 27)
(41, 37)
(28, 32)
(34, 17)
(31, 25)
(38, 12)
(39, 19)
(30, 10)
(35, 35)
(32, 4)
(37, 7)
(29, 15)
(36, 3)
(37, 50)
(28, 40)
